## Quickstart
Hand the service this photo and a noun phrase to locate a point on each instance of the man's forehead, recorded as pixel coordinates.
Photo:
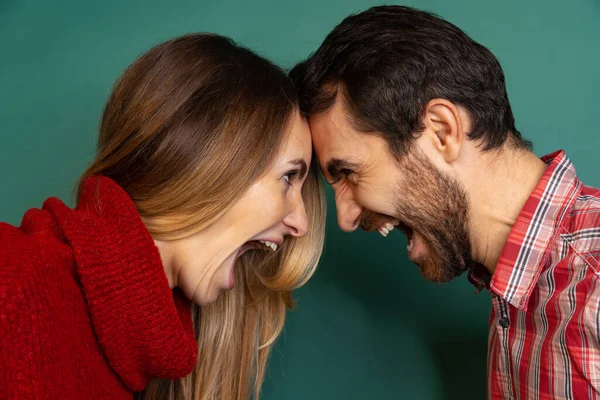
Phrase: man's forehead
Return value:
(330, 147)
(331, 132)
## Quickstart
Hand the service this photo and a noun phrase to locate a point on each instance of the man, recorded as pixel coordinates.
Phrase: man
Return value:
(413, 128)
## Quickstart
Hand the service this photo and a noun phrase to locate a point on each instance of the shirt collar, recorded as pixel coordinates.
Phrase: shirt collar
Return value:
(530, 241)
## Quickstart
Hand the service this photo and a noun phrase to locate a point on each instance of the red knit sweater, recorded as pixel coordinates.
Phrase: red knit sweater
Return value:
(85, 307)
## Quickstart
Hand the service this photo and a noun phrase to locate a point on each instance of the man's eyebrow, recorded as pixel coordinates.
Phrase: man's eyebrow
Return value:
(336, 165)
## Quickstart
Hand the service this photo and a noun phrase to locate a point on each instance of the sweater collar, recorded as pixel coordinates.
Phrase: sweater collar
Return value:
(144, 328)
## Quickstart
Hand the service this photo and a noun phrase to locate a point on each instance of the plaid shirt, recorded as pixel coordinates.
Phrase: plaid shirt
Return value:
(544, 331)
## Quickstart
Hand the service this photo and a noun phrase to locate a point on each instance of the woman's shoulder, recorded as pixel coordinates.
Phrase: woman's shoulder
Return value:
(33, 252)
(19, 254)
(42, 308)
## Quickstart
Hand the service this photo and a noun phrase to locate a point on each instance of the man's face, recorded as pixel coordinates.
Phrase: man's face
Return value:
(373, 188)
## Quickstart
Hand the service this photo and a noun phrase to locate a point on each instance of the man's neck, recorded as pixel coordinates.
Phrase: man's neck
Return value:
(503, 183)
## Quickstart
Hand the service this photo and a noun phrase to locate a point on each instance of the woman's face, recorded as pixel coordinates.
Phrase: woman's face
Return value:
(202, 265)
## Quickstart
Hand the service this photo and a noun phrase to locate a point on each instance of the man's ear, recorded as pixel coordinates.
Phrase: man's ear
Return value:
(443, 120)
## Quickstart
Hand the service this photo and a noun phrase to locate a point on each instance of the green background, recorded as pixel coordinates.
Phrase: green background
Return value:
(367, 326)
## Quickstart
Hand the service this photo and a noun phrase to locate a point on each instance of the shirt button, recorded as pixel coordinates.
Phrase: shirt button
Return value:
(504, 322)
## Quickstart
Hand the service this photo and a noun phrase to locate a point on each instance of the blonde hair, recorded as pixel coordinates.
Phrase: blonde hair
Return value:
(189, 126)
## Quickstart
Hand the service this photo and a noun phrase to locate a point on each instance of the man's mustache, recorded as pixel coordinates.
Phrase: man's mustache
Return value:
(370, 221)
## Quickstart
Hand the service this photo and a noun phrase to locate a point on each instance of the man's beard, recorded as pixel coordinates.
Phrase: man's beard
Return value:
(436, 206)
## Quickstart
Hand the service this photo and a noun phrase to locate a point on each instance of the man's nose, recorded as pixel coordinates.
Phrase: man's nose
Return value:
(348, 212)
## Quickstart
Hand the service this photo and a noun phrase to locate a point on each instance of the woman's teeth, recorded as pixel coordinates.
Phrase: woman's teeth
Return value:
(271, 245)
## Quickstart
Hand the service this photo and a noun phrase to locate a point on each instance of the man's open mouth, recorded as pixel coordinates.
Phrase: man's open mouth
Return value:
(385, 229)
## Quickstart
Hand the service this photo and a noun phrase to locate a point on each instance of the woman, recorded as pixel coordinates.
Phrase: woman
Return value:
(200, 191)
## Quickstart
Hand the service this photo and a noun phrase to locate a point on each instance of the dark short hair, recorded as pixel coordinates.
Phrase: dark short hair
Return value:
(389, 61)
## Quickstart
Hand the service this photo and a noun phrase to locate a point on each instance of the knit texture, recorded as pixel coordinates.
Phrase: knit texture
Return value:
(85, 306)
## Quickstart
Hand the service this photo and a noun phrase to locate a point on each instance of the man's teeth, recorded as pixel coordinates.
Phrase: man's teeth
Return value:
(271, 245)
(386, 229)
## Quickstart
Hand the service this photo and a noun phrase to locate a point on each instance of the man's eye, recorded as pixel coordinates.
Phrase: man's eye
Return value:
(342, 174)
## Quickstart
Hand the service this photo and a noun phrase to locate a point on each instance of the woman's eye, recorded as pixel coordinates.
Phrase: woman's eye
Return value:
(290, 176)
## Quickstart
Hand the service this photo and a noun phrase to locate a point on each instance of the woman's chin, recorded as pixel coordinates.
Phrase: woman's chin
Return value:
(206, 300)
(224, 279)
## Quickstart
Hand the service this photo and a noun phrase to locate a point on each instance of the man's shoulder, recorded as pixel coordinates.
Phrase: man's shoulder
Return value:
(585, 214)
(590, 196)
(582, 229)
